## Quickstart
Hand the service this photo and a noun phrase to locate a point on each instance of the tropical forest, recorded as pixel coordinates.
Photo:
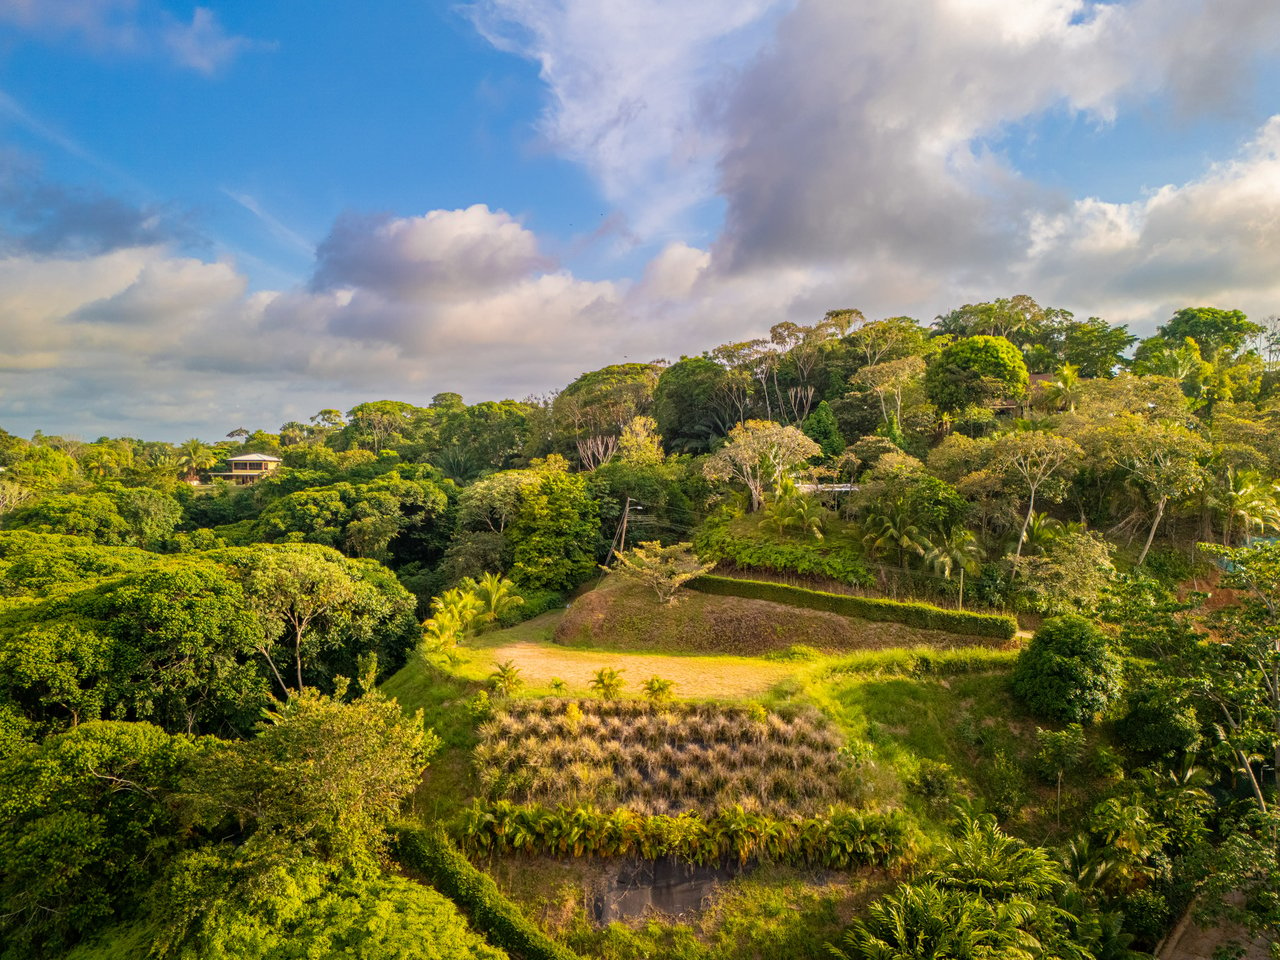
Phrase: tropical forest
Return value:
(876, 638)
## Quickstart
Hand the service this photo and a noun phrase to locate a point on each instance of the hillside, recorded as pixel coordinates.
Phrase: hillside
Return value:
(623, 616)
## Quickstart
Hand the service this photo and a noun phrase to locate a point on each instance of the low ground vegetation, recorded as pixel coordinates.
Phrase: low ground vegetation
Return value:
(660, 759)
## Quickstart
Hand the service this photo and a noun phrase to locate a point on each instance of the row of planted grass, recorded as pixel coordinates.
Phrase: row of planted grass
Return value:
(839, 838)
(660, 759)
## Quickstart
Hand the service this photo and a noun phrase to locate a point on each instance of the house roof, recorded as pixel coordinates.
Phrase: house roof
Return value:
(255, 457)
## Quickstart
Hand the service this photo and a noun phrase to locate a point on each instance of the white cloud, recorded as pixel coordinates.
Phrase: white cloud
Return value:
(632, 89)
(131, 27)
(203, 44)
(850, 146)
(1215, 240)
(445, 252)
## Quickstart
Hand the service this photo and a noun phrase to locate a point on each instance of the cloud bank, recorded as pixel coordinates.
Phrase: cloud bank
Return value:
(855, 149)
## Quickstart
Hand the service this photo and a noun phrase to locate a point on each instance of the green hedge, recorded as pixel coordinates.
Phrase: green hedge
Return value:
(922, 615)
(429, 851)
(840, 839)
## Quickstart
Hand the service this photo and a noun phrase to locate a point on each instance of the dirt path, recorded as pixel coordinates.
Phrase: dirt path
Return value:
(1193, 942)
(713, 677)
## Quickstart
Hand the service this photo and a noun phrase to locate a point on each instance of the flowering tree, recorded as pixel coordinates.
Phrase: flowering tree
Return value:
(759, 454)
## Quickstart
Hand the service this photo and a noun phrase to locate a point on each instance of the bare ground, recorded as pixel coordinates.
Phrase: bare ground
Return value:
(712, 677)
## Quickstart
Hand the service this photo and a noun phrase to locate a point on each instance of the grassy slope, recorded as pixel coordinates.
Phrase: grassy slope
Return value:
(968, 721)
(623, 616)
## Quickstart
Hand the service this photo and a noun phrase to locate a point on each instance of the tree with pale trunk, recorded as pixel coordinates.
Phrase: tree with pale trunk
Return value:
(889, 380)
(1041, 462)
(759, 455)
(1162, 459)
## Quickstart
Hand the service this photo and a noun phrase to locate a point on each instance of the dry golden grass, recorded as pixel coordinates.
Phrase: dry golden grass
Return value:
(718, 678)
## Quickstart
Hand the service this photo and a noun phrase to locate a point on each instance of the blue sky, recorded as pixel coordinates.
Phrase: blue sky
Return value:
(236, 214)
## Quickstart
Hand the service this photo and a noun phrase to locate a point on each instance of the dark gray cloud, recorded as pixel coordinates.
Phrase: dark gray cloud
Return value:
(38, 216)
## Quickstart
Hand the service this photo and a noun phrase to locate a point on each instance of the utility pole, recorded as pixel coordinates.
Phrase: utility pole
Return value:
(620, 536)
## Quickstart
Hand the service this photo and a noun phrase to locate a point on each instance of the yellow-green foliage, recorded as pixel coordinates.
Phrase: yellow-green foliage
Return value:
(659, 758)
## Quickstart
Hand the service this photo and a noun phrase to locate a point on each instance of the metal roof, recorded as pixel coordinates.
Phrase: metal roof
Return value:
(255, 457)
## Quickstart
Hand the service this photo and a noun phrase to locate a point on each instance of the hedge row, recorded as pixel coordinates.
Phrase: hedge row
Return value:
(429, 851)
(922, 615)
(839, 839)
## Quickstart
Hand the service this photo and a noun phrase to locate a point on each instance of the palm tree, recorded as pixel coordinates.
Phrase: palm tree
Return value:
(928, 921)
(957, 549)
(1249, 498)
(1065, 389)
(1041, 530)
(895, 529)
(506, 680)
(194, 456)
(657, 690)
(607, 682)
(497, 596)
(983, 859)
(792, 510)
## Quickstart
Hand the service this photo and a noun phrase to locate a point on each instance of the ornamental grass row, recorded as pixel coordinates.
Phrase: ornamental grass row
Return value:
(839, 839)
(661, 760)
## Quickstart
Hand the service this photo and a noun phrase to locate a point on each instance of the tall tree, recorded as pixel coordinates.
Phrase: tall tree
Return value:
(758, 455)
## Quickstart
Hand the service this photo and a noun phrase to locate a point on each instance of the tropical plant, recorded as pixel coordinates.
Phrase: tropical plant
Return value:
(657, 690)
(955, 551)
(664, 570)
(506, 680)
(894, 530)
(792, 511)
(1068, 671)
(1060, 752)
(1248, 499)
(1064, 391)
(607, 682)
(496, 594)
(194, 457)
(928, 922)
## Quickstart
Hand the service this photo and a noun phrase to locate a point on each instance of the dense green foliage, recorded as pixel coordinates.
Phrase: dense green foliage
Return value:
(194, 642)
(429, 852)
(185, 773)
(838, 839)
(1068, 671)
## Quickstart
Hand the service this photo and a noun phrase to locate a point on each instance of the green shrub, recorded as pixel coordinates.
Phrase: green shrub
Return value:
(715, 542)
(920, 615)
(933, 780)
(840, 839)
(1157, 723)
(1170, 567)
(920, 662)
(428, 851)
(1068, 671)
(536, 603)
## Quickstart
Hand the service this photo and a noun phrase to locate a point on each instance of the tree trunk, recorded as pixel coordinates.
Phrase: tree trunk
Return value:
(1026, 522)
(1152, 534)
(962, 588)
(272, 664)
